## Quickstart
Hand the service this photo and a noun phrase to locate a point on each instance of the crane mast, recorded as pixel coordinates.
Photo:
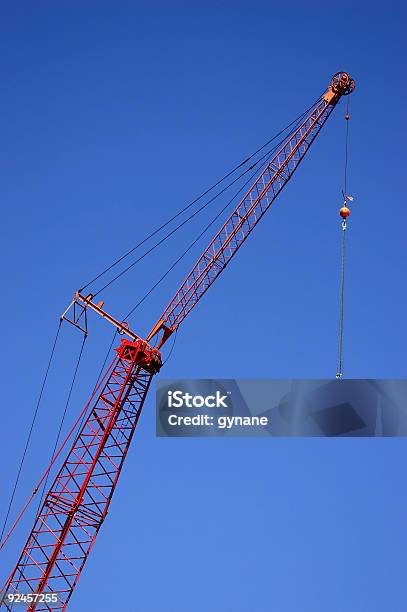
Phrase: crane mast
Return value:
(78, 500)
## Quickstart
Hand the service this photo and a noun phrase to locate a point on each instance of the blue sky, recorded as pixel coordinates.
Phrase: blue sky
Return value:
(114, 115)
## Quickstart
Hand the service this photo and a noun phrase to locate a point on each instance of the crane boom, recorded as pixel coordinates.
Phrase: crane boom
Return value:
(74, 508)
(250, 210)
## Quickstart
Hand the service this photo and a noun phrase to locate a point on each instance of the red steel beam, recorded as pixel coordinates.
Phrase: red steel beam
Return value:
(250, 210)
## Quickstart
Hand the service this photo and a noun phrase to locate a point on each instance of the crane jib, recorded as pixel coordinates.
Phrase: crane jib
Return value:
(76, 504)
(250, 210)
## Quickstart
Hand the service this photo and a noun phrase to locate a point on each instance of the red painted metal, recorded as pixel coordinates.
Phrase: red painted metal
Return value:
(250, 210)
(78, 500)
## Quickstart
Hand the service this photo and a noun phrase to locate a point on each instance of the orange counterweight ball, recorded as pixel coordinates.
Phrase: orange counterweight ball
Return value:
(344, 212)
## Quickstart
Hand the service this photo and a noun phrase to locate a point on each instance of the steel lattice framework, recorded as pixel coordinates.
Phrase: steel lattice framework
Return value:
(250, 210)
(76, 504)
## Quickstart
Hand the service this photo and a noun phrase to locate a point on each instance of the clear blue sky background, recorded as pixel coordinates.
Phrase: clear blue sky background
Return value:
(113, 116)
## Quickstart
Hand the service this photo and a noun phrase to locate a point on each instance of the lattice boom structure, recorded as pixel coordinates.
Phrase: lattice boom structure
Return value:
(78, 500)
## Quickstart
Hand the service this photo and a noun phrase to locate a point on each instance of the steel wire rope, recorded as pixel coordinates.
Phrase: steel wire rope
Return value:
(172, 347)
(115, 333)
(102, 367)
(339, 365)
(60, 449)
(345, 173)
(171, 233)
(188, 206)
(339, 369)
(33, 420)
(61, 424)
(174, 230)
(191, 245)
(58, 435)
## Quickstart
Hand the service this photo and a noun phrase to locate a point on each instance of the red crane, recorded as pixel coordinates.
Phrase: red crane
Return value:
(78, 500)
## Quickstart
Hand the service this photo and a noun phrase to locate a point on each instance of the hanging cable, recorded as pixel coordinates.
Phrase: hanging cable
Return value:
(172, 347)
(206, 192)
(339, 368)
(345, 172)
(102, 367)
(115, 333)
(34, 418)
(59, 432)
(191, 245)
(168, 235)
(61, 424)
(344, 213)
(57, 454)
(174, 230)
